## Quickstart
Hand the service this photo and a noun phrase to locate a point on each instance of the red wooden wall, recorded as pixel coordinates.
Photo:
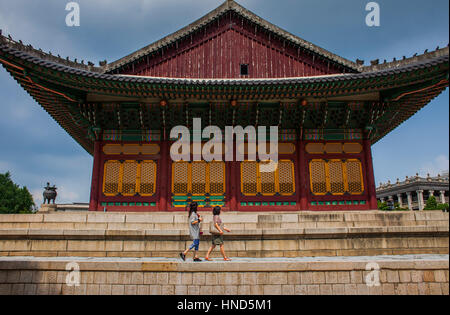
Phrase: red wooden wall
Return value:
(218, 49)
(302, 197)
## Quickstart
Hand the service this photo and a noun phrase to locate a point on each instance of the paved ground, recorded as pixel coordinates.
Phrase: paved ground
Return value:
(238, 259)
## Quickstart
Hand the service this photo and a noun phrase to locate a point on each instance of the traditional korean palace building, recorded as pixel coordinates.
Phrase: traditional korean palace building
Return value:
(229, 68)
(413, 192)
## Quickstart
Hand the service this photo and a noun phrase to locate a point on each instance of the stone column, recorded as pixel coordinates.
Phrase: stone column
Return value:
(420, 199)
(442, 195)
(409, 197)
(400, 200)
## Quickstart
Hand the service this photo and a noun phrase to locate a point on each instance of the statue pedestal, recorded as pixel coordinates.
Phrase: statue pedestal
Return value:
(46, 208)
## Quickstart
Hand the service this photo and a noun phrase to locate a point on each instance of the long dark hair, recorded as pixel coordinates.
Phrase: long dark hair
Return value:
(192, 208)
(216, 210)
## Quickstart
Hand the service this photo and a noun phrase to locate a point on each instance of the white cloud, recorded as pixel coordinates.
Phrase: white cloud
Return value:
(435, 167)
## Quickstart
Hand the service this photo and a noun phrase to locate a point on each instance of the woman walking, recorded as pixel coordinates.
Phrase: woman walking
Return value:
(216, 230)
(194, 231)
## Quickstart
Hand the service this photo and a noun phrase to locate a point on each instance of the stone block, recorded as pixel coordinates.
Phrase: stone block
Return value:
(405, 276)
(242, 290)
(388, 289)
(270, 289)
(142, 290)
(117, 289)
(435, 288)
(326, 289)
(331, 277)
(130, 289)
(301, 289)
(65, 217)
(313, 289)
(86, 246)
(181, 290)
(439, 276)
(105, 218)
(428, 276)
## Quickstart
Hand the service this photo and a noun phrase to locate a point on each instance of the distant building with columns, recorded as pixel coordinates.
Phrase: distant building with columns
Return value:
(413, 192)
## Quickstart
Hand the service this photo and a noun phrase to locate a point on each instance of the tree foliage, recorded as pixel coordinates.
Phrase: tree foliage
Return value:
(14, 199)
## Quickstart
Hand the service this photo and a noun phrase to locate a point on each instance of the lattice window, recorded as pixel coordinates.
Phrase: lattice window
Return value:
(267, 181)
(111, 179)
(249, 178)
(217, 178)
(147, 182)
(354, 177)
(286, 180)
(180, 178)
(336, 177)
(318, 177)
(129, 178)
(198, 178)
(280, 181)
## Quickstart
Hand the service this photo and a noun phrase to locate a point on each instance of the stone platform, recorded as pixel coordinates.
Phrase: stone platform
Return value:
(398, 275)
(299, 234)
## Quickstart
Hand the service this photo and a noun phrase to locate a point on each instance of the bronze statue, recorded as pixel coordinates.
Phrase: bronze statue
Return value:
(50, 193)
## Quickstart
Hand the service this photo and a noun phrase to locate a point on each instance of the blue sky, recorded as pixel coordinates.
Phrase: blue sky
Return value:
(36, 149)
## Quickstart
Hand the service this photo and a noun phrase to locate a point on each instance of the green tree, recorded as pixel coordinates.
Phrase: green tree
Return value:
(14, 199)
(431, 204)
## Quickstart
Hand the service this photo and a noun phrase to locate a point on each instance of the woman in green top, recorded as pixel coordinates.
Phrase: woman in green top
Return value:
(217, 239)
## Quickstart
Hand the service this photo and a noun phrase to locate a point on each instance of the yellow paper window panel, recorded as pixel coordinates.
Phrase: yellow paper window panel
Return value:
(198, 178)
(354, 177)
(129, 178)
(147, 176)
(254, 180)
(318, 177)
(180, 178)
(111, 178)
(267, 181)
(249, 178)
(217, 178)
(336, 177)
(286, 181)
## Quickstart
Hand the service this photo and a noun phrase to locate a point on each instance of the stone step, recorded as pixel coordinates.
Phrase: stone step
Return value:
(235, 220)
(240, 243)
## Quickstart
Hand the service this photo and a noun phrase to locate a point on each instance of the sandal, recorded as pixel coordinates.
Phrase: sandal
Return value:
(227, 259)
(207, 259)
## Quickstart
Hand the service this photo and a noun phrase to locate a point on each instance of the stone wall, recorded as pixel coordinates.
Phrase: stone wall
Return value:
(410, 276)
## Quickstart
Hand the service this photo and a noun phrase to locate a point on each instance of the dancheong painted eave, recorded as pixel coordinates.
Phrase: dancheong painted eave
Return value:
(61, 88)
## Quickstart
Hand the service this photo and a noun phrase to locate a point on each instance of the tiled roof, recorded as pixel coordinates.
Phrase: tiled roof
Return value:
(386, 70)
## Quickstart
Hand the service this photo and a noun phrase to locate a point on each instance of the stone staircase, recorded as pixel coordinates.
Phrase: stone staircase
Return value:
(293, 234)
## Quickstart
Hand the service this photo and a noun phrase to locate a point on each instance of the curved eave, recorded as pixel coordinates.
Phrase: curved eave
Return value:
(59, 88)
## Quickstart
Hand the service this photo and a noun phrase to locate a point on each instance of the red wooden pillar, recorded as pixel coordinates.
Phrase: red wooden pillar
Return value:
(370, 175)
(234, 183)
(303, 173)
(164, 176)
(95, 183)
